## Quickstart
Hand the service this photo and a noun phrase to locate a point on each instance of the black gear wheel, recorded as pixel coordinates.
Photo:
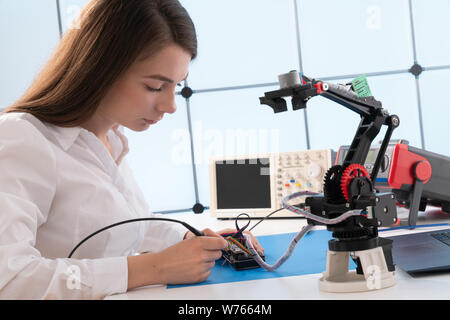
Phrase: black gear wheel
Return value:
(351, 234)
(332, 185)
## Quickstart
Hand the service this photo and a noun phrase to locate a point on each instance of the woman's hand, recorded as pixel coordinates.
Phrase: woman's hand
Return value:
(255, 242)
(189, 261)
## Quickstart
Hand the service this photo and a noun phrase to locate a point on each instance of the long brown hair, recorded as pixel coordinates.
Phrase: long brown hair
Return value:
(109, 36)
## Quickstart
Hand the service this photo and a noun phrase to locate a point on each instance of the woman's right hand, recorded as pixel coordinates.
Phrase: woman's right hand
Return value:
(189, 261)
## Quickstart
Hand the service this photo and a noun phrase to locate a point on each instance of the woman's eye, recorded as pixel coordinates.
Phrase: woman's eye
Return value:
(153, 89)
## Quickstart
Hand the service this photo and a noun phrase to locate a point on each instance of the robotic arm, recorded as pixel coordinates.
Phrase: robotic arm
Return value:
(349, 187)
(373, 116)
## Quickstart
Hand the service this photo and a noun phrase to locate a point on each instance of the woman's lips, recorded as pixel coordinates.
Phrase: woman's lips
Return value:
(150, 121)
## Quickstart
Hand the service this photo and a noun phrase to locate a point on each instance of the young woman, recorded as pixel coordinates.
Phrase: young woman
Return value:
(63, 173)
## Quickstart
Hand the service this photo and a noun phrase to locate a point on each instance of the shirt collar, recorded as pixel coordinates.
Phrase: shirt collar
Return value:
(65, 136)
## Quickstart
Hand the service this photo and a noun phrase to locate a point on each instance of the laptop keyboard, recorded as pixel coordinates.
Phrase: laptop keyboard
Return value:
(444, 237)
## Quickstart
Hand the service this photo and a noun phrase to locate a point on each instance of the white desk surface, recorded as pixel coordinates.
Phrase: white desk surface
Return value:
(434, 286)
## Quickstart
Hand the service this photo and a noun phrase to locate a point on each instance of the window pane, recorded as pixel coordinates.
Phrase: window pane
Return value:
(432, 27)
(398, 95)
(28, 34)
(234, 123)
(242, 42)
(354, 36)
(332, 125)
(436, 108)
(161, 162)
(70, 10)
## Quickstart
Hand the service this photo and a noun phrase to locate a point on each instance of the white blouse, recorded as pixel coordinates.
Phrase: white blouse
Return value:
(57, 186)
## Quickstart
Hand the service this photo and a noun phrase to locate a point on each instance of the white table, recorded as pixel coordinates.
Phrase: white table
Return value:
(435, 286)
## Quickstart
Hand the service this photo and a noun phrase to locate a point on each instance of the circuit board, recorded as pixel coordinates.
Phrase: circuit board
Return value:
(238, 255)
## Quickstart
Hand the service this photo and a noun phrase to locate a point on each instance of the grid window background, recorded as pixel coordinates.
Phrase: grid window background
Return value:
(401, 46)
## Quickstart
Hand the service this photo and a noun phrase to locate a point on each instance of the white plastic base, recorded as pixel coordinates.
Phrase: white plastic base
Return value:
(337, 277)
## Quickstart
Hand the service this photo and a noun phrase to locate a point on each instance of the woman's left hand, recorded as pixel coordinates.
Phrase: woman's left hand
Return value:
(255, 242)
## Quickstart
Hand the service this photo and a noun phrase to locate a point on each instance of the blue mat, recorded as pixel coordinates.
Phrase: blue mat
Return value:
(309, 257)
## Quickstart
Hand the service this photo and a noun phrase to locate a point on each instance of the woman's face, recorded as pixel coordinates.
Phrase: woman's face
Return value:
(146, 91)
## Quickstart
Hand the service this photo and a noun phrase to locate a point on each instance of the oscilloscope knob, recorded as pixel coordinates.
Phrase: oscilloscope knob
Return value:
(314, 170)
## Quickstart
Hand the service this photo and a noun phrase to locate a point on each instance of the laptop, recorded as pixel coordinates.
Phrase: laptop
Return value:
(422, 252)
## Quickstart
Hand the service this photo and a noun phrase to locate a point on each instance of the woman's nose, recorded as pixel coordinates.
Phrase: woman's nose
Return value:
(167, 104)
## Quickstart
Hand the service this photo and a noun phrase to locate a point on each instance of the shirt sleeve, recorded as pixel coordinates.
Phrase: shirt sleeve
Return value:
(27, 188)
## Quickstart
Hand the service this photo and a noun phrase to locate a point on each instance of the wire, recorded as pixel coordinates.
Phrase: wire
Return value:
(190, 228)
(240, 245)
(299, 235)
(285, 256)
(273, 212)
(270, 214)
(311, 216)
(240, 230)
(237, 237)
(241, 240)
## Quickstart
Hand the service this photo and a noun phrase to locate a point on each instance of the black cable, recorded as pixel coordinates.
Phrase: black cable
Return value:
(240, 230)
(190, 228)
(273, 212)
